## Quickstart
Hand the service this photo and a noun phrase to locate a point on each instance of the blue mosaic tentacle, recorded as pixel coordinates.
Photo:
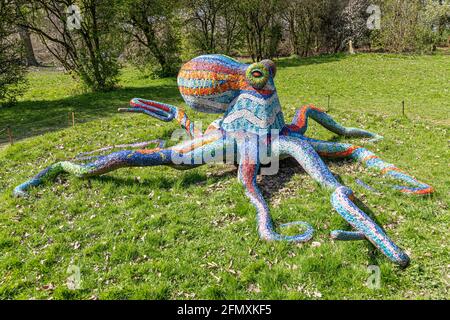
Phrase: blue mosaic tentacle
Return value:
(88, 155)
(300, 124)
(248, 169)
(50, 173)
(164, 112)
(158, 110)
(341, 199)
(347, 235)
(185, 155)
(366, 186)
(370, 160)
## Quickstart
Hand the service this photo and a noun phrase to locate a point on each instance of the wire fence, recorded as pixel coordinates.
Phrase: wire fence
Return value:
(21, 130)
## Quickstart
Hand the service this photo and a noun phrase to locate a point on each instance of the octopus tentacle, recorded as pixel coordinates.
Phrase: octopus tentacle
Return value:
(248, 169)
(347, 235)
(164, 112)
(214, 126)
(370, 160)
(300, 124)
(182, 156)
(341, 199)
(90, 154)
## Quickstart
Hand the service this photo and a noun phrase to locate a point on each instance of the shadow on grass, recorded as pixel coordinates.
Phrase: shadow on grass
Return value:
(164, 183)
(189, 178)
(32, 118)
(270, 185)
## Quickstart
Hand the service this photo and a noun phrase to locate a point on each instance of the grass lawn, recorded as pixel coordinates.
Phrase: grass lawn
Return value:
(166, 234)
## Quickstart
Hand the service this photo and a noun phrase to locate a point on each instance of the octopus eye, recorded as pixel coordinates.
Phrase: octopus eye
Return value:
(257, 75)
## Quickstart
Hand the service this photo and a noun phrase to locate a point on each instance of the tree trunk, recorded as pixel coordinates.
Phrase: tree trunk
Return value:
(28, 46)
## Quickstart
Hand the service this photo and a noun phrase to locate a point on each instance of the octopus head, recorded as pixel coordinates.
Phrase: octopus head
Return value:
(212, 83)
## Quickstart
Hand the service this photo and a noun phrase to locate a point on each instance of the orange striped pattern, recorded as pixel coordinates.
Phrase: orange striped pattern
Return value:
(301, 120)
(213, 76)
(428, 190)
(148, 151)
(386, 170)
(196, 144)
(340, 154)
(211, 90)
(370, 158)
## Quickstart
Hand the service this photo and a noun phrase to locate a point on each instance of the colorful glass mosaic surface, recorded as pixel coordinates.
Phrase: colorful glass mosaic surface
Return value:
(251, 124)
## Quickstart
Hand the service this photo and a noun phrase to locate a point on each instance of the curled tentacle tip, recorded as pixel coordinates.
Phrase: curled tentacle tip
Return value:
(19, 193)
(303, 237)
(346, 192)
(375, 138)
(403, 261)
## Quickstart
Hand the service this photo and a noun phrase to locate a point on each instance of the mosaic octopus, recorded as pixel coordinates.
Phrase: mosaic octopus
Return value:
(252, 123)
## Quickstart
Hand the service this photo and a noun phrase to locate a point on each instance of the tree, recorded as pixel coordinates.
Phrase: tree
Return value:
(262, 27)
(355, 23)
(152, 23)
(31, 60)
(410, 26)
(229, 28)
(203, 16)
(302, 22)
(212, 26)
(436, 21)
(331, 33)
(21, 9)
(12, 71)
(83, 38)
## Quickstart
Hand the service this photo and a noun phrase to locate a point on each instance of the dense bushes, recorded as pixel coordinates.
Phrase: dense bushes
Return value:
(412, 26)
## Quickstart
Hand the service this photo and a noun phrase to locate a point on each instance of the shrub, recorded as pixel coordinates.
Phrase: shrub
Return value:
(88, 47)
(411, 26)
(153, 27)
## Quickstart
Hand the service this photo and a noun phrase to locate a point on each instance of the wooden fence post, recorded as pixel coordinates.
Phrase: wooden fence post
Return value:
(10, 135)
(73, 119)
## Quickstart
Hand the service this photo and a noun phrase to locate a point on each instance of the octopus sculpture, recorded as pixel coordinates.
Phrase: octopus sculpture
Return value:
(252, 125)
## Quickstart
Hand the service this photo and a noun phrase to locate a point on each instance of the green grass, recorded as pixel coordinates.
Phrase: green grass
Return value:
(166, 234)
